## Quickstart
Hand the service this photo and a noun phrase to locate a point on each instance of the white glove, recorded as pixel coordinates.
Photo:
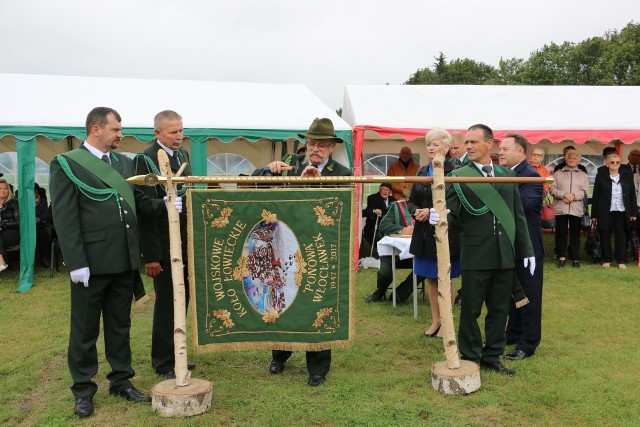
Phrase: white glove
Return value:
(177, 203)
(531, 262)
(433, 216)
(81, 275)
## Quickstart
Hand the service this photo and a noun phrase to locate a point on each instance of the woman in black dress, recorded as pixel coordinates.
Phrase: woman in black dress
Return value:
(423, 244)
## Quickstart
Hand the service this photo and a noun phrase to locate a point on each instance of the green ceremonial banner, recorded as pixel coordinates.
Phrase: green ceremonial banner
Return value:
(271, 268)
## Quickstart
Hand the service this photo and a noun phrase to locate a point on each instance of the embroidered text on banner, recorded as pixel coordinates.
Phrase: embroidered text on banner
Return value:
(271, 268)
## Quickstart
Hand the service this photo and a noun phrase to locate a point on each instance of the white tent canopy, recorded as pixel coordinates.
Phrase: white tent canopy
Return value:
(552, 112)
(56, 107)
(46, 100)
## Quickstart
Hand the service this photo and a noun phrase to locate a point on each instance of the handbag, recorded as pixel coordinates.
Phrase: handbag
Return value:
(585, 222)
(592, 246)
(548, 215)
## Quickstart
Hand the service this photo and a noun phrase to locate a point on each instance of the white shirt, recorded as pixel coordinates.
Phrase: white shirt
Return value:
(617, 204)
(168, 150)
(93, 150)
(479, 166)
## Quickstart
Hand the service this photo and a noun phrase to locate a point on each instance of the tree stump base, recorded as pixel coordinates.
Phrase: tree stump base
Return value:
(464, 380)
(173, 401)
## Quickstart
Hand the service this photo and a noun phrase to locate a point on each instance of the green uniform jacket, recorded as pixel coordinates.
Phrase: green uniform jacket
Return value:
(94, 234)
(484, 243)
(152, 212)
(299, 162)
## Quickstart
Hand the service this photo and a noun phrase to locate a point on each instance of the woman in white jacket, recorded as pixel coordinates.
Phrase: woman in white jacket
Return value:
(569, 189)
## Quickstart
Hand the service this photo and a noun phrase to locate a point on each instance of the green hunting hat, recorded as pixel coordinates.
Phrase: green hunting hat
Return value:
(321, 129)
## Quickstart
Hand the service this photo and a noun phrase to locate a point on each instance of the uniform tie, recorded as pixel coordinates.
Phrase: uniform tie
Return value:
(106, 159)
(487, 170)
(635, 168)
(176, 157)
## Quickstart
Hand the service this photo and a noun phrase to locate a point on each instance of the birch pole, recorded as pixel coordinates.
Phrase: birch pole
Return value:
(444, 264)
(452, 376)
(184, 396)
(177, 275)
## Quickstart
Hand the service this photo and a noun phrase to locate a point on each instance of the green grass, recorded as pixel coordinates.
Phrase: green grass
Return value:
(585, 371)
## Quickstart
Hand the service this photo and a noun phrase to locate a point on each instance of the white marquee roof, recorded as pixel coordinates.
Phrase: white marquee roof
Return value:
(553, 112)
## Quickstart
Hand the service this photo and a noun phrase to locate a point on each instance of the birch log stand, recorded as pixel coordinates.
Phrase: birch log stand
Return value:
(183, 396)
(453, 376)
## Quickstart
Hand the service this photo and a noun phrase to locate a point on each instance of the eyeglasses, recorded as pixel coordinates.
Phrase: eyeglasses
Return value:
(614, 163)
(319, 146)
(537, 154)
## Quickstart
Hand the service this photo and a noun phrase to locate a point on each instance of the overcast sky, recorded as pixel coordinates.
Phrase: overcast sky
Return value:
(324, 44)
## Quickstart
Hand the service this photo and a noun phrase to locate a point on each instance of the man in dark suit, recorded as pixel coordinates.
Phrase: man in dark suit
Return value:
(95, 214)
(154, 235)
(377, 206)
(320, 140)
(492, 227)
(524, 327)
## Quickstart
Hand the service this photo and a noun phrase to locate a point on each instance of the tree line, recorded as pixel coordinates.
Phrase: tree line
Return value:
(610, 60)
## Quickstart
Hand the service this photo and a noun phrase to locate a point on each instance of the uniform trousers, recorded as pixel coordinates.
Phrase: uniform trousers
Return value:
(318, 362)
(162, 349)
(110, 295)
(493, 288)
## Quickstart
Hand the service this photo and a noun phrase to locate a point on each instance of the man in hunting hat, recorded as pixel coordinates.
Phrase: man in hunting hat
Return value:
(321, 139)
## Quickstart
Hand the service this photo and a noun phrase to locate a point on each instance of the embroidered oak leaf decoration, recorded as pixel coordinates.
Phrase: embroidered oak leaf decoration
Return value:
(301, 267)
(240, 271)
(330, 167)
(270, 317)
(320, 315)
(223, 219)
(323, 219)
(268, 217)
(225, 316)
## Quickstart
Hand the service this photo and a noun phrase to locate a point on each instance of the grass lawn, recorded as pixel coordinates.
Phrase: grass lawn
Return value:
(585, 371)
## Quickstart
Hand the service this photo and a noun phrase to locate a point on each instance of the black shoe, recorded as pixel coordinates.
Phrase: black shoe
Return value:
(561, 263)
(84, 407)
(518, 354)
(170, 375)
(372, 298)
(402, 301)
(458, 301)
(315, 380)
(276, 367)
(497, 367)
(575, 264)
(131, 394)
(433, 335)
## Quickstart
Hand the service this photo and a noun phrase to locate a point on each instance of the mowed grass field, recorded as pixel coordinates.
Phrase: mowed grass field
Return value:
(585, 372)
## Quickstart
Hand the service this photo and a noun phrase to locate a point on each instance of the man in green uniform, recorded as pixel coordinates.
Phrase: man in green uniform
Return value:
(320, 140)
(154, 235)
(492, 226)
(95, 217)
